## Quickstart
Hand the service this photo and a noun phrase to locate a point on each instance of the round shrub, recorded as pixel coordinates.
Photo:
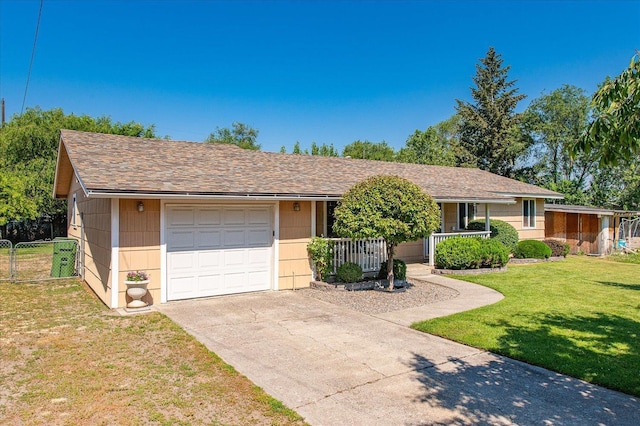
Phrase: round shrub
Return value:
(532, 249)
(500, 230)
(493, 253)
(349, 272)
(399, 270)
(558, 248)
(459, 253)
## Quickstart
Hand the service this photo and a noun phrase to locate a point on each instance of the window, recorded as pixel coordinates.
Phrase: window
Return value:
(74, 212)
(528, 213)
(331, 207)
(466, 213)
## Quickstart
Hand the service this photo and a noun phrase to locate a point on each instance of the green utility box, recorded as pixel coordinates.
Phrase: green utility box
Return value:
(64, 258)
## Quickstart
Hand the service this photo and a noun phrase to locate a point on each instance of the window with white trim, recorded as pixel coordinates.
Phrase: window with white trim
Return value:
(528, 213)
(466, 213)
(74, 212)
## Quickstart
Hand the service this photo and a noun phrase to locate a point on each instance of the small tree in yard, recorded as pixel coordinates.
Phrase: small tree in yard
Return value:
(389, 207)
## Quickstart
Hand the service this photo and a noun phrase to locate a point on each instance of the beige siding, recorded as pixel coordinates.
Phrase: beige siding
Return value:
(94, 216)
(140, 246)
(295, 233)
(512, 214)
(450, 217)
(411, 252)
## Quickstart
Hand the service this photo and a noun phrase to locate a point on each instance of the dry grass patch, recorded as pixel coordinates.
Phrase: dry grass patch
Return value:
(66, 359)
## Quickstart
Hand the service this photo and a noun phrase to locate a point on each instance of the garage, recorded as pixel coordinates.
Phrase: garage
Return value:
(218, 249)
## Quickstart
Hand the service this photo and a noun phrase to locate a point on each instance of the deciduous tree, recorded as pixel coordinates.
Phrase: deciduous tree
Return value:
(240, 134)
(369, 150)
(555, 122)
(28, 150)
(427, 148)
(389, 207)
(614, 134)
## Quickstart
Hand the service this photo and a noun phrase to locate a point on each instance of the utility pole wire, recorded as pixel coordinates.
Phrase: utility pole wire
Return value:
(33, 54)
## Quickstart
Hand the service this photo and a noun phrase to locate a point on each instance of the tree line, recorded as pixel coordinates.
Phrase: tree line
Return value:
(584, 147)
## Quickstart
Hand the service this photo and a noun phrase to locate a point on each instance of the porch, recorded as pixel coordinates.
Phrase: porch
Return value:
(370, 253)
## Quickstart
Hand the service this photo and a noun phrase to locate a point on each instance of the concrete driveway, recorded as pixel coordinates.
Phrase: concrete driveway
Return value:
(335, 366)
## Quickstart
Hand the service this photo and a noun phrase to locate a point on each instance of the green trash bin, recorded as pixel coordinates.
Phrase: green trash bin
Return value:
(64, 258)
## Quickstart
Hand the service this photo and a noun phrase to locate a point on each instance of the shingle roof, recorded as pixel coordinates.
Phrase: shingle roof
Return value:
(122, 164)
(566, 208)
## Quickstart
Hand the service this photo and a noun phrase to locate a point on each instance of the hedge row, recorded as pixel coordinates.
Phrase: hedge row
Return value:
(471, 253)
(500, 230)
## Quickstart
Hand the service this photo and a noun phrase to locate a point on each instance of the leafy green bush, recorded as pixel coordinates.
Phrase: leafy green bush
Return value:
(493, 254)
(532, 249)
(399, 270)
(500, 230)
(321, 253)
(458, 253)
(558, 248)
(349, 272)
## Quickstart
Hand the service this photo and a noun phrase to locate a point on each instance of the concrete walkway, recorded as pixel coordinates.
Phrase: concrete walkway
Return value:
(335, 366)
(470, 296)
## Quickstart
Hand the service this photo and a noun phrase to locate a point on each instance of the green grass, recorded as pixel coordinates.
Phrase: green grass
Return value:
(626, 258)
(579, 317)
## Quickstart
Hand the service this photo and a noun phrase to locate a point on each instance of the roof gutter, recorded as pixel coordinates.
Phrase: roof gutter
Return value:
(259, 197)
(187, 196)
(549, 196)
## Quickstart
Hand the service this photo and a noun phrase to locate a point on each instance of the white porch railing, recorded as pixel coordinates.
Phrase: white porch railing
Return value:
(432, 242)
(369, 253)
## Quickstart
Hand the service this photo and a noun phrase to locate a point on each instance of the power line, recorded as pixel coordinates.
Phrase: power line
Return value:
(33, 54)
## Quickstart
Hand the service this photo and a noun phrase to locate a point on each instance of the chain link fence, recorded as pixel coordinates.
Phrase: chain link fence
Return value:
(44, 260)
(6, 249)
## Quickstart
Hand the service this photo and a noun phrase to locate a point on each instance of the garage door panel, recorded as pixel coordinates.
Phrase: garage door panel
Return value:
(258, 257)
(258, 217)
(182, 261)
(181, 240)
(216, 250)
(182, 217)
(234, 216)
(209, 285)
(208, 260)
(234, 238)
(208, 239)
(258, 237)
(235, 258)
(209, 216)
(183, 287)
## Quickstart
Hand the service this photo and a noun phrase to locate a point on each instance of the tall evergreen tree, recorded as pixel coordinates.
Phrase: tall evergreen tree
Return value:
(489, 125)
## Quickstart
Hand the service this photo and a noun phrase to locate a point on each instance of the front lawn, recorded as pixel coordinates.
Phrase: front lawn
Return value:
(66, 359)
(579, 317)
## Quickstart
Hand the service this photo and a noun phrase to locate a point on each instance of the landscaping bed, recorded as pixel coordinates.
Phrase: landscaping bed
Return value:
(416, 293)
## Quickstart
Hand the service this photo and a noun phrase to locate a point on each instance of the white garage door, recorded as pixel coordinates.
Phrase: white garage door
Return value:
(214, 250)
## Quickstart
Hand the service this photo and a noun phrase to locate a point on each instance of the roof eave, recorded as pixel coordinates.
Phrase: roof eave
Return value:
(554, 196)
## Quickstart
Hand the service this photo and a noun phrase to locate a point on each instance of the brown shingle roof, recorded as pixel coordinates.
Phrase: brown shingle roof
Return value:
(122, 164)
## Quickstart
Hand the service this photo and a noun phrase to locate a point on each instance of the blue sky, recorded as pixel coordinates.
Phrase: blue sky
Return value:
(324, 71)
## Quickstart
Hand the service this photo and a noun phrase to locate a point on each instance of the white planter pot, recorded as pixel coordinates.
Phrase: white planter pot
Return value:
(136, 290)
